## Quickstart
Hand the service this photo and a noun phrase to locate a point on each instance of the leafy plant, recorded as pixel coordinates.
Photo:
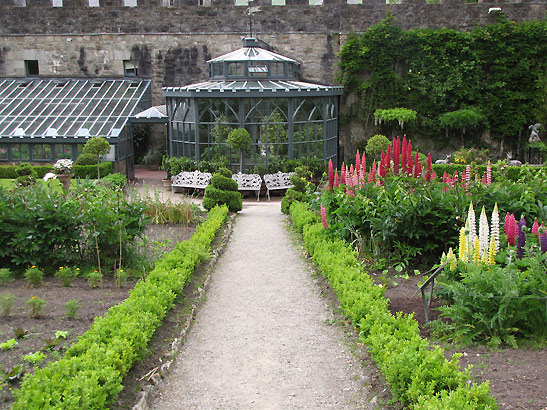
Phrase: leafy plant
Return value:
(6, 303)
(36, 305)
(20, 333)
(95, 278)
(8, 345)
(401, 115)
(241, 140)
(67, 274)
(6, 276)
(71, 308)
(34, 276)
(34, 358)
(376, 144)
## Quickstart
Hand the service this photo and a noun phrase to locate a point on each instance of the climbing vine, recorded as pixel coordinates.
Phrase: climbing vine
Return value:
(501, 69)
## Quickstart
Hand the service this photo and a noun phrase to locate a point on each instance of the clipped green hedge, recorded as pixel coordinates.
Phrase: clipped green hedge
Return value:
(419, 375)
(91, 373)
(79, 171)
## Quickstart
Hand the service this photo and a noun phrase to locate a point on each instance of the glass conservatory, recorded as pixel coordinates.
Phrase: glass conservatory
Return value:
(261, 91)
(42, 120)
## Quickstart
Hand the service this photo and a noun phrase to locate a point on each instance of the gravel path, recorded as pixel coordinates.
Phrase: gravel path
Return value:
(264, 338)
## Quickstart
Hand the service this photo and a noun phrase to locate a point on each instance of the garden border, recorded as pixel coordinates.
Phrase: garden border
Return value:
(420, 377)
(91, 372)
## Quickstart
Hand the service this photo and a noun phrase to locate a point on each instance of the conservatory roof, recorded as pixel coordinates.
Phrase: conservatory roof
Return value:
(252, 54)
(49, 110)
(253, 88)
(155, 114)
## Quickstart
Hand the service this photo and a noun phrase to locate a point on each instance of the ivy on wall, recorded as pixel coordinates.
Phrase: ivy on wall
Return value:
(498, 69)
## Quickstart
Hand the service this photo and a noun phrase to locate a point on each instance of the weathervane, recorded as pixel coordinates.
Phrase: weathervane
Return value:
(250, 13)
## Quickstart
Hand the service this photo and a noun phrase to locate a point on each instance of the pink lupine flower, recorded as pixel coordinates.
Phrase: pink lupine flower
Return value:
(364, 163)
(483, 180)
(535, 227)
(349, 192)
(351, 169)
(331, 175)
(336, 181)
(455, 178)
(372, 173)
(488, 174)
(343, 174)
(388, 159)
(417, 166)
(511, 229)
(362, 178)
(324, 216)
(428, 168)
(357, 161)
(410, 164)
(355, 179)
(403, 156)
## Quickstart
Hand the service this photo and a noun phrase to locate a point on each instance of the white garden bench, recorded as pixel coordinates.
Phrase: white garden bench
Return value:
(279, 180)
(248, 182)
(191, 179)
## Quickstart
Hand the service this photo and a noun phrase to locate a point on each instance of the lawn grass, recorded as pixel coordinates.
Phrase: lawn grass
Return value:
(53, 184)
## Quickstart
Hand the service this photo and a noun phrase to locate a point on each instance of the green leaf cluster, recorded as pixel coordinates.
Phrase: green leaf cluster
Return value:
(91, 373)
(441, 74)
(418, 373)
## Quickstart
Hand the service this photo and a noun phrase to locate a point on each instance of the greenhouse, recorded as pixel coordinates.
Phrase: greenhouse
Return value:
(260, 91)
(42, 120)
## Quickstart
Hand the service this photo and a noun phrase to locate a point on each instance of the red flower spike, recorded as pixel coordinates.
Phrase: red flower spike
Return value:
(351, 169)
(323, 211)
(403, 156)
(396, 155)
(428, 173)
(409, 158)
(343, 174)
(364, 163)
(336, 182)
(357, 161)
(372, 173)
(535, 227)
(388, 160)
(512, 230)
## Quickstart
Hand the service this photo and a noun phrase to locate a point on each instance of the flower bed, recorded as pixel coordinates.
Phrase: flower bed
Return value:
(91, 373)
(419, 375)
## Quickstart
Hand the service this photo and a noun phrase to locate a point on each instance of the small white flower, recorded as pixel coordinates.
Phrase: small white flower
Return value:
(50, 175)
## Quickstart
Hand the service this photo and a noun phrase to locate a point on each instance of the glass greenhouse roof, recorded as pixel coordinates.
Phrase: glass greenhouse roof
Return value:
(53, 109)
(256, 88)
(252, 54)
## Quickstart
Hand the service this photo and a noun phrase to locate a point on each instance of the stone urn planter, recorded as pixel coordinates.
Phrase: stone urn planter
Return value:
(167, 183)
(64, 179)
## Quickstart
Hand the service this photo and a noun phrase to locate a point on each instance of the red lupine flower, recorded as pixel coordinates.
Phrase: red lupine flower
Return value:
(428, 168)
(396, 155)
(349, 192)
(357, 161)
(403, 156)
(343, 174)
(364, 163)
(535, 227)
(483, 179)
(324, 216)
(372, 173)
(336, 182)
(409, 166)
(351, 169)
(388, 160)
(417, 166)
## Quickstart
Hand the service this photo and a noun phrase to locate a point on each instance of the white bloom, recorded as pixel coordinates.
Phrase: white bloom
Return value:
(49, 175)
(484, 242)
(472, 228)
(495, 227)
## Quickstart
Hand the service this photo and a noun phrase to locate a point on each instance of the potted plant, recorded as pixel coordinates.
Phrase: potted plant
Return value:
(166, 166)
(63, 169)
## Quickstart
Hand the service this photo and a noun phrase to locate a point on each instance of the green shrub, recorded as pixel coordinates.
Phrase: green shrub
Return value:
(6, 303)
(225, 172)
(71, 308)
(95, 279)
(86, 159)
(66, 274)
(36, 305)
(214, 197)
(115, 181)
(223, 183)
(178, 164)
(90, 171)
(34, 276)
(292, 195)
(6, 276)
(376, 144)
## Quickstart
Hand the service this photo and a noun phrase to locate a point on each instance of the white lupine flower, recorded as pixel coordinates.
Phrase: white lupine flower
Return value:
(495, 228)
(484, 234)
(471, 226)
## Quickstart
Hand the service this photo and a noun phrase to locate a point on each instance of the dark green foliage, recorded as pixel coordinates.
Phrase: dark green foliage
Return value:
(223, 183)
(86, 159)
(91, 373)
(292, 195)
(116, 181)
(214, 196)
(90, 171)
(499, 68)
(225, 172)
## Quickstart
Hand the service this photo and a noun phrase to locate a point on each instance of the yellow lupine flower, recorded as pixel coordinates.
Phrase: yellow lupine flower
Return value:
(477, 251)
(492, 251)
(453, 263)
(463, 246)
